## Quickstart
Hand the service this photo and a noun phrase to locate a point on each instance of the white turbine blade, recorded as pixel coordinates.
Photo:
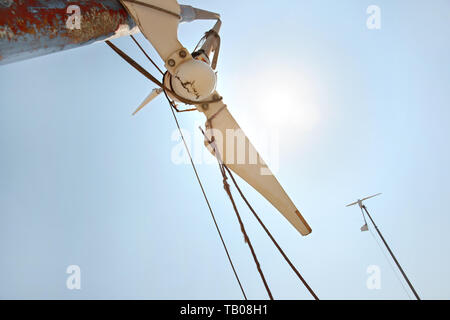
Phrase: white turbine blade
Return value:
(155, 92)
(371, 197)
(160, 27)
(246, 162)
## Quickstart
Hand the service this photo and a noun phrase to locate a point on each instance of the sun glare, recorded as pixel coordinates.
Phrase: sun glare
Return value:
(288, 106)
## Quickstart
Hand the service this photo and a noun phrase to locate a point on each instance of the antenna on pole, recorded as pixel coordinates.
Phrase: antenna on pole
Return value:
(365, 228)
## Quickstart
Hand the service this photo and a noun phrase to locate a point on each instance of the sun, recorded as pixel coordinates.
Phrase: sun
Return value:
(288, 104)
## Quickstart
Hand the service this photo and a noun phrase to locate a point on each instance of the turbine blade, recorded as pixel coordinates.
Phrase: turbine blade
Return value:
(245, 161)
(352, 204)
(158, 21)
(375, 195)
(155, 92)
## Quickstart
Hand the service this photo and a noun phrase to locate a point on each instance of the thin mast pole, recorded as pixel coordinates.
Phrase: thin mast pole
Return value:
(392, 254)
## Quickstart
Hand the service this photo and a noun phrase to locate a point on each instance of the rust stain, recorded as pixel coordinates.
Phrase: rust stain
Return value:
(95, 23)
(34, 18)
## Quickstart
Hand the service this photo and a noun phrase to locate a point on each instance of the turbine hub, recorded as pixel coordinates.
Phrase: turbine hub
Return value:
(194, 80)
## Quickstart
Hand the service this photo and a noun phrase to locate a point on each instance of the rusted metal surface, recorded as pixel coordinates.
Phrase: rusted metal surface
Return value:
(31, 28)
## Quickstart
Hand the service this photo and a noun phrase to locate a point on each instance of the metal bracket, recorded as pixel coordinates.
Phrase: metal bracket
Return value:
(177, 58)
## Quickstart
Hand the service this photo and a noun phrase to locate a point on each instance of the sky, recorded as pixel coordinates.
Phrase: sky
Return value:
(352, 111)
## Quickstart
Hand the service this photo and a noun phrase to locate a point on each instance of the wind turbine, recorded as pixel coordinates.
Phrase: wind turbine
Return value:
(191, 79)
(365, 227)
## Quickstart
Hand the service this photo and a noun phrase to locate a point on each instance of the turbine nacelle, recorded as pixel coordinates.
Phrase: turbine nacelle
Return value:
(193, 80)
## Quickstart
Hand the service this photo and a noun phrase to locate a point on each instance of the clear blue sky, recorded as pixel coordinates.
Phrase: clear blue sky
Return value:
(358, 112)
